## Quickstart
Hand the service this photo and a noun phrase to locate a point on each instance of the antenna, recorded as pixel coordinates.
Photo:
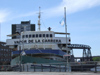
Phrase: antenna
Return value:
(39, 19)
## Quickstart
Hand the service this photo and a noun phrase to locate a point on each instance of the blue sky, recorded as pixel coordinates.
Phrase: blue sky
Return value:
(83, 19)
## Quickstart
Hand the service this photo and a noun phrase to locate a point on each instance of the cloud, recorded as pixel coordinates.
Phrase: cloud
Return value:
(3, 15)
(72, 6)
(77, 5)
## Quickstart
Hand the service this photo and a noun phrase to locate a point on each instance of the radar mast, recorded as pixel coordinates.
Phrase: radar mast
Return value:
(39, 19)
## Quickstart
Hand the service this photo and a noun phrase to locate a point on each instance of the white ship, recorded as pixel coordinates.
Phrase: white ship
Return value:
(39, 47)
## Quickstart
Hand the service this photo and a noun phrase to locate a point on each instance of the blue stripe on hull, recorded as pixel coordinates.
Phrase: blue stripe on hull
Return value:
(34, 51)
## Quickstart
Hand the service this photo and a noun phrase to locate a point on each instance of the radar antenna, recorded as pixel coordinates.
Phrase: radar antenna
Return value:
(39, 19)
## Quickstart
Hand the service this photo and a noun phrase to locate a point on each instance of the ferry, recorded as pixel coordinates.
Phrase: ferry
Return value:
(39, 47)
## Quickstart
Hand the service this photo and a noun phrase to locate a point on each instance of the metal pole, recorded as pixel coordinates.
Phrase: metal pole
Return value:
(20, 61)
(50, 67)
(34, 68)
(95, 67)
(27, 68)
(20, 55)
(22, 47)
(66, 34)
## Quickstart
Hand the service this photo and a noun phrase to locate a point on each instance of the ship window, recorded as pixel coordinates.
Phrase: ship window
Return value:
(48, 40)
(26, 36)
(43, 35)
(40, 35)
(33, 35)
(56, 40)
(38, 40)
(51, 40)
(23, 36)
(29, 36)
(47, 35)
(50, 35)
(59, 40)
(36, 35)
(45, 40)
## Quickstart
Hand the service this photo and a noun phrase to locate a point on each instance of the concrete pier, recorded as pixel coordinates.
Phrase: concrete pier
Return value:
(48, 73)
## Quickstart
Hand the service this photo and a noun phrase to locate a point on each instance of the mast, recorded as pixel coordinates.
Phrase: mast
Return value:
(65, 30)
(66, 36)
(39, 19)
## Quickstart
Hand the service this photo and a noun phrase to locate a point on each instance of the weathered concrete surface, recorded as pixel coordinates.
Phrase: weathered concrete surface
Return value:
(48, 73)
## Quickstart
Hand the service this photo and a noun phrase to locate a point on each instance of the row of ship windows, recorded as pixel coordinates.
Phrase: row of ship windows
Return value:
(5, 49)
(37, 35)
(5, 55)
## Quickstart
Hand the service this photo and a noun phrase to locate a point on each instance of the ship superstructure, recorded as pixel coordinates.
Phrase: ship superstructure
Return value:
(38, 40)
(42, 44)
